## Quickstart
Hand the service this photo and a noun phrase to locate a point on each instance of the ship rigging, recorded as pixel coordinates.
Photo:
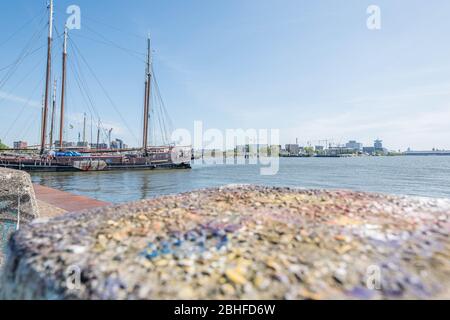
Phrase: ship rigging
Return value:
(52, 155)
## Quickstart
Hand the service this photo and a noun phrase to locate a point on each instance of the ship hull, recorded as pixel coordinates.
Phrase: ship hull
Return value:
(67, 168)
(156, 158)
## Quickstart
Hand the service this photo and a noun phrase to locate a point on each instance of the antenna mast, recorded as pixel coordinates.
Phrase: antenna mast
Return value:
(48, 78)
(63, 91)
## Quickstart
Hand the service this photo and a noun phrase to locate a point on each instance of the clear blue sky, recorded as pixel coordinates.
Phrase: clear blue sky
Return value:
(310, 68)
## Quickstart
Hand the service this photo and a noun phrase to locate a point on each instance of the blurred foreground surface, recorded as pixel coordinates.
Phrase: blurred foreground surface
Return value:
(238, 242)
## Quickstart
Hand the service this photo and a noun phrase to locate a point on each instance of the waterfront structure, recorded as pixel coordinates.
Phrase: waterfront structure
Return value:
(338, 152)
(428, 153)
(369, 150)
(319, 148)
(378, 145)
(256, 149)
(377, 148)
(82, 144)
(100, 146)
(293, 149)
(117, 144)
(20, 145)
(65, 144)
(352, 144)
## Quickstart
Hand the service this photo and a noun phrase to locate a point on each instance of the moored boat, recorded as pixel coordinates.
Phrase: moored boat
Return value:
(58, 158)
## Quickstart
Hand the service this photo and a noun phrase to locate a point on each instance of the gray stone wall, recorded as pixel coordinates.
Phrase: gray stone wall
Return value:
(17, 204)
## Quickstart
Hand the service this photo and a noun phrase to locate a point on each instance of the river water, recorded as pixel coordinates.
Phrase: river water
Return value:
(418, 176)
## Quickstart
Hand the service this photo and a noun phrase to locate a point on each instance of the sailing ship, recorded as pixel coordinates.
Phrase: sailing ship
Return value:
(58, 158)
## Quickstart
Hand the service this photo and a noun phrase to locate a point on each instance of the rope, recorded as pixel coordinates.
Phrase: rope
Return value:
(15, 33)
(135, 54)
(24, 53)
(25, 105)
(13, 124)
(105, 91)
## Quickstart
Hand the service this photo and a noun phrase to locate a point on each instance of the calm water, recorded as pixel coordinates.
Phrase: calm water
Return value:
(422, 176)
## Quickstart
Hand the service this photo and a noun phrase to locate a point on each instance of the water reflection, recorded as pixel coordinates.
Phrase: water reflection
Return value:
(423, 176)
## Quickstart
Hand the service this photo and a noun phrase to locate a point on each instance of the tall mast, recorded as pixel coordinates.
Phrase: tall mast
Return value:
(52, 123)
(84, 130)
(63, 90)
(48, 78)
(148, 81)
(98, 136)
(109, 137)
(42, 113)
(92, 139)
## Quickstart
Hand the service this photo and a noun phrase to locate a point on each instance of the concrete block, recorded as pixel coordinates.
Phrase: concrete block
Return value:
(238, 242)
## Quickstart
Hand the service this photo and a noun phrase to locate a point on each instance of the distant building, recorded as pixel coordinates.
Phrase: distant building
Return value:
(338, 151)
(378, 145)
(369, 150)
(352, 144)
(65, 144)
(82, 144)
(255, 149)
(117, 144)
(100, 146)
(20, 145)
(293, 149)
(379, 149)
(319, 148)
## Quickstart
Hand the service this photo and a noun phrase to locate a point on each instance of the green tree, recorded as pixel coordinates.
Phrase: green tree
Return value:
(3, 146)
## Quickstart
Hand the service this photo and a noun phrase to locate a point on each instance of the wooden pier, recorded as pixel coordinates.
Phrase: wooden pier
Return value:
(66, 201)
